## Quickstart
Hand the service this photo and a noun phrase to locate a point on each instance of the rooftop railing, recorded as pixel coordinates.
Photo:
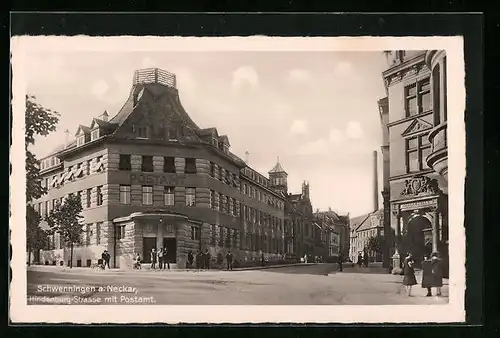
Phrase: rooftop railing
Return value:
(155, 75)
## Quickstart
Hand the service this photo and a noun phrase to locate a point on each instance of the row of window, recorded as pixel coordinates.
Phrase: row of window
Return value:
(49, 162)
(225, 176)
(224, 237)
(254, 176)
(44, 208)
(223, 203)
(262, 196)
(90, 232)
(75, 171)
(261, 218)
(147, 164)
(148, 196)
(94, 135)
(262, 242)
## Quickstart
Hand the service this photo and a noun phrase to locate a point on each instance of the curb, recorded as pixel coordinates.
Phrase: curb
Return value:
(273, 266)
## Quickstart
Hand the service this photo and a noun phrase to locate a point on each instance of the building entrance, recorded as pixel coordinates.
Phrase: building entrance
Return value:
(148, 243)
(171, 246)
(414, 239)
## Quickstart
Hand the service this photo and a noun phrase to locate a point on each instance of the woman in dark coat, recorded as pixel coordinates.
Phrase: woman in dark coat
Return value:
(409, 273)
(427, 276)
(437, 272)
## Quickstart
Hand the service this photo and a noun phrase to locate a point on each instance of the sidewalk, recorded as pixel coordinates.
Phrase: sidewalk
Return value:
(146, 268)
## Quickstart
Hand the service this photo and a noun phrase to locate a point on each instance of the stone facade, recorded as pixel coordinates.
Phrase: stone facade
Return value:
(415, 186)
(124, 198)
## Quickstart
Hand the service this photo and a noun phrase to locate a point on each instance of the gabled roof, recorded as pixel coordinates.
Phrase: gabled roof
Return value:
(224, 139)
(356, 222)
(362, 222)
(208, 131)
(101, 123)
(85, 129)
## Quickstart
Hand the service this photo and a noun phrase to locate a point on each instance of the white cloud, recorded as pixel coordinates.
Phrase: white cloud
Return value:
(299, 76)
(245, 75)
(335, 136)
(185, 80)
(47, 69)
(99, 88)
(148, 62)
(343, 68)
(318, 147)
(354, 130)
(299, 127)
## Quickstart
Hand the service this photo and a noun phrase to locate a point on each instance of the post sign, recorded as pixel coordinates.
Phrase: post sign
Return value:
(145, 179)
(418, 205)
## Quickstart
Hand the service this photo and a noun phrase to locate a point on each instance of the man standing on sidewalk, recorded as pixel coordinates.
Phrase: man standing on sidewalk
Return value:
(340, 259)
(229, 258)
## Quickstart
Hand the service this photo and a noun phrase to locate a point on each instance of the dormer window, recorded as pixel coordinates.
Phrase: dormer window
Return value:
(80, 140)
(142, 132)
(94, 135)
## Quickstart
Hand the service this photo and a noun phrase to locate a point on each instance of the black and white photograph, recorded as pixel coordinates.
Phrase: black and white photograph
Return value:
(163, 175)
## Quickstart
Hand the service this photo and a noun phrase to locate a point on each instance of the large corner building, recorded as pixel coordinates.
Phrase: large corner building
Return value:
(414, 150)
(150, 177)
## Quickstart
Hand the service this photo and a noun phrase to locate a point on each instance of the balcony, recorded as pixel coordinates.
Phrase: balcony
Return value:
(438, 158)
(154, 75)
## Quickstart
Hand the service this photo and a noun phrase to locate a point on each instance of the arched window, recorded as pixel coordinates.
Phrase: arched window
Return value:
(436, 94)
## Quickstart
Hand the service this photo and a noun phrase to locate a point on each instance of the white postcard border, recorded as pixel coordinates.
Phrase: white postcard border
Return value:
(454, 311)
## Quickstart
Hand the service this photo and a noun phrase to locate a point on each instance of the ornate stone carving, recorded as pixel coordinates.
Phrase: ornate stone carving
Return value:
(395, 211)
(416, 126)
(420, 185)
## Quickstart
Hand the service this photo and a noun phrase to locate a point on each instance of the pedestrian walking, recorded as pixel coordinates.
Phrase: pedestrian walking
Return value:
(166, 260)
(153, 259)
(340, 263)
(229, 258)
(360, 260)
(427, 277)
(160, 258)
(437, 272)
(105, 259)
(190, 260)
(199, 260)
(365, 258)
(207, 259)
(409, 274)
(220, 260)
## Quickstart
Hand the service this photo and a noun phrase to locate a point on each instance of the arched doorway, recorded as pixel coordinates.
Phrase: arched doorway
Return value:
(416, 238)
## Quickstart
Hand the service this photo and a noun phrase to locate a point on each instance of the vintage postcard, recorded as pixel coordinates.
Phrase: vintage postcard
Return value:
(237, 180)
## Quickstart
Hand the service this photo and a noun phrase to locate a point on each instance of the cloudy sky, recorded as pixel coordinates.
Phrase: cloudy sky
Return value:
(316, 110)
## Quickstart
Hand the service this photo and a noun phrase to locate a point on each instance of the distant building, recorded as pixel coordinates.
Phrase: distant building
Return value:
(300, 222)
(362, 229)
(414, 116)
(334, 235)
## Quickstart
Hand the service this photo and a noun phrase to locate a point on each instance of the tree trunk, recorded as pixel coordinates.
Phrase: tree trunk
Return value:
(71, 257)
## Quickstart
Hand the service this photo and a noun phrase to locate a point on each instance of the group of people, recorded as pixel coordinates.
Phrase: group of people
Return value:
(229, 260)
(159, 259)
(432, 274)
(106, 257)
(201, 260)
(363, 259)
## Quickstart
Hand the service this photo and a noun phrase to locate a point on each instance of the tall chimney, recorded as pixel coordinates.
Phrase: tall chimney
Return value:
(247, 154)
(66, 138)
(375, 181)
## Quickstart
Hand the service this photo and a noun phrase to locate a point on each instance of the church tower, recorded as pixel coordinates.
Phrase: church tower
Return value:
(305, 190)
(278, 178)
